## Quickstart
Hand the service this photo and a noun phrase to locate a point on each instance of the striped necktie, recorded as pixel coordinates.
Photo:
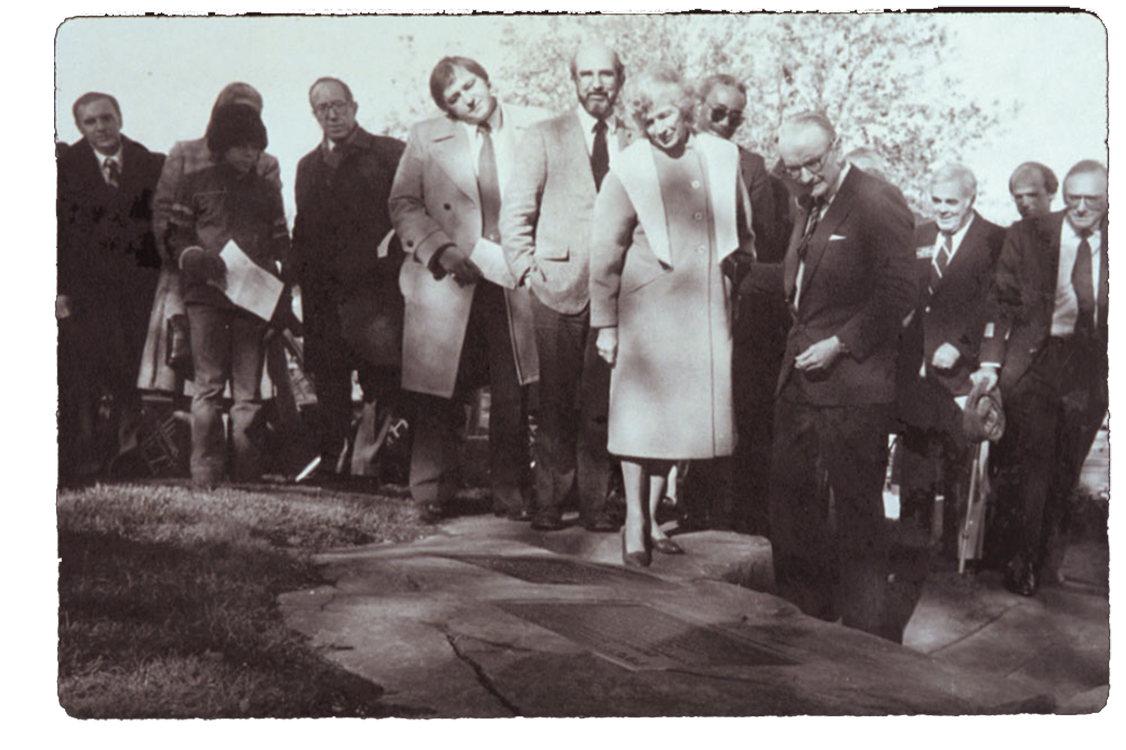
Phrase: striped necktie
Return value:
(113, 172)
(941, 261)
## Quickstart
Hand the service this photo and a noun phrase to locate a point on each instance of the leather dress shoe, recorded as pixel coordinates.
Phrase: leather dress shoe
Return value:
(548, 519)
(667, 547)
(601, 523)
(640, 559)
(1021, 577)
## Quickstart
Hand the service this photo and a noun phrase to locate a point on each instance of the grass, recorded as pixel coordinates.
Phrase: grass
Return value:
(167, 600)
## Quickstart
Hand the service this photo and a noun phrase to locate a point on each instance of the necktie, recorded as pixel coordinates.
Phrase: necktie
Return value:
(488, 185)
(113, 172)
(941, 261)
(1083, 283)
(599, 154)
(813, 218)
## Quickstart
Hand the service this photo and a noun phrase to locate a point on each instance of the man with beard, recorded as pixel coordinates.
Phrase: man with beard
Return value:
(546, 227)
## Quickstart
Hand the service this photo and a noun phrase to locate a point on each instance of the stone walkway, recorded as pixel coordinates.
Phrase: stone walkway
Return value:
(488, 618)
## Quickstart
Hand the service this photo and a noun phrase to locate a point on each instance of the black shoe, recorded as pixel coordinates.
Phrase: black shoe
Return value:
(548, 519)
(640, 559)
(602, 523)
(431, 513)
(667, 547)
(1021, 577)
(517, 514)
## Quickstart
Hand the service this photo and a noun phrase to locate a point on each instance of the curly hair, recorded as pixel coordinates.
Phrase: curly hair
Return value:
(660, 85)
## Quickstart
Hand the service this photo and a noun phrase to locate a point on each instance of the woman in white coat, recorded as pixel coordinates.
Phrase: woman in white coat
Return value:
(671, 217)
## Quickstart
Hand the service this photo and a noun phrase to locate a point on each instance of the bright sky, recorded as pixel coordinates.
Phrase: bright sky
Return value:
(167, 72)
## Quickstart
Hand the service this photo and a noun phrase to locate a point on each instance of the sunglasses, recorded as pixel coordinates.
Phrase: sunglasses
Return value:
(721, 113)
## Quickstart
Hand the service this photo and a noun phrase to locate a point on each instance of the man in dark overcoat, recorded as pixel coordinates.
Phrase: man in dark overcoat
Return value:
(107, 273)
(346, 268)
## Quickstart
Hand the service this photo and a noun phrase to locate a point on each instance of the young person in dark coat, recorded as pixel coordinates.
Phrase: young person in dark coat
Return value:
(342, 218)
(227, 201)
(107, 274)
(955, 256)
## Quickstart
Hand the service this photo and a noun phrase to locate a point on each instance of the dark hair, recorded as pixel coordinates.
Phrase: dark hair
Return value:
(444, 73)
(330, 79)
(1051, 184)
(719, 79)
(94, 96)
(235, 125)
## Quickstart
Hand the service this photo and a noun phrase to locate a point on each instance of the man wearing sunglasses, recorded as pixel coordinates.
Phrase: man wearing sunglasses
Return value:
(760, 323)
(848, 278)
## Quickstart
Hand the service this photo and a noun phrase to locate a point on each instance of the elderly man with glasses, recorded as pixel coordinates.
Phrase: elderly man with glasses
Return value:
(760, 323)
(342, 190)
(848, 278)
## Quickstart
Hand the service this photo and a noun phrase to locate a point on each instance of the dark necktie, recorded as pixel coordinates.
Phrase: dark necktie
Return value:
(113, 173)
(1081, 280)
(941, 261)
(812, 219)
(488, 185)
(599, 154)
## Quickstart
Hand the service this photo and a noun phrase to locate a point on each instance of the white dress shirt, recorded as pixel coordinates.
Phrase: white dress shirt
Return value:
(1066, 309)
(955, 243)
(613, 127)
(504, 144)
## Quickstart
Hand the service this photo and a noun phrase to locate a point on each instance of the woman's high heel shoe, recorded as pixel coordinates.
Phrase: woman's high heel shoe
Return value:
(639, 559)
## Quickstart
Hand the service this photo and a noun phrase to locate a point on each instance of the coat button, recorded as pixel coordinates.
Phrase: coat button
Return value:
(446, 206)
(698, 216)
(410, 243)
(695, 184)
(700, 248)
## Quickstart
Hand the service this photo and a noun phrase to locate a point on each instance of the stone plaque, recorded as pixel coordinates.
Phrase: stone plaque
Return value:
(555, 570)
(639, 637)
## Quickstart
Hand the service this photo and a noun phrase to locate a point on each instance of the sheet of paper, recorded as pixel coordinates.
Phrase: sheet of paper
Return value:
(489, 257)
(247, 284)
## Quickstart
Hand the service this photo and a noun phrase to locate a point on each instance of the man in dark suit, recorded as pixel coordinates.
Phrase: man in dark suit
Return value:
(545, 229)
(848, 278)
(759, 330)
(955, 256)
(1033, 186)
(341, 223)
(1047, 346)
(108, 268)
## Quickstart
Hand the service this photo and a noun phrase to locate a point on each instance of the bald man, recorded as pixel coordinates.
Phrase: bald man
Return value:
(848, 279)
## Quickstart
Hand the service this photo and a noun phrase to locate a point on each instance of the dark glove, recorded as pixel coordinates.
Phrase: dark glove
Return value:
(201, 265)
(736, 265)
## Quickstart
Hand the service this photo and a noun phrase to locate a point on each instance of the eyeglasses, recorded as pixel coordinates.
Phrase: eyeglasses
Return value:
(337, 108)
(720, 113)
(813, 166)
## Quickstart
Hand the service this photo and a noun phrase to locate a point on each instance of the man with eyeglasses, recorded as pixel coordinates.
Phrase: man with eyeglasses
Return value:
(467, 322)
(1047, 347)
(848, 278)
(346, 283)
(760, 324)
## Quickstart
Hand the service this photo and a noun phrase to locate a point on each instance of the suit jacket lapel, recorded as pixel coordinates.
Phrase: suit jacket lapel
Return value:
(573, 141)
(452, 153)
(838, 209)
(1103, 295)
(790, 262)
(964, 252)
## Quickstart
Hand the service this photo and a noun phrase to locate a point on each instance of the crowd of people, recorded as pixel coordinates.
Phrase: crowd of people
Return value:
(671, 296)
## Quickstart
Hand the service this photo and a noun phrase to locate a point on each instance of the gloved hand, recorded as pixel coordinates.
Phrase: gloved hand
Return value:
(201, 265)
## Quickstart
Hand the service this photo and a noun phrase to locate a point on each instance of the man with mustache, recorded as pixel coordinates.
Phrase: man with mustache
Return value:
(546, 225)
(461, 330)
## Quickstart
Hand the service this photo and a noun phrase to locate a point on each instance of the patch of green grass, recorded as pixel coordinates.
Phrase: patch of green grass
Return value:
(167, 600)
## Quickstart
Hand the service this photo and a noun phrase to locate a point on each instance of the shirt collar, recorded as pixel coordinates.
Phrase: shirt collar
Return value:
(495, 121)
(328, 145)
(587, 121)
(956, 238)
(116, 156)
(1094, 239)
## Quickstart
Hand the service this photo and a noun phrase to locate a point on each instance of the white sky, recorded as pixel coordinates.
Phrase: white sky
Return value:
(167, 72)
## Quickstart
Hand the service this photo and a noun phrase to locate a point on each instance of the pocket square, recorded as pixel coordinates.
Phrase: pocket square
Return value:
(837, 237)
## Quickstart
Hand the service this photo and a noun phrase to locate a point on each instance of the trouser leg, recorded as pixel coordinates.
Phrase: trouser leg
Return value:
(559, 345)
(211, 349)
(434, 449)
(248, 355)
(594, 462)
